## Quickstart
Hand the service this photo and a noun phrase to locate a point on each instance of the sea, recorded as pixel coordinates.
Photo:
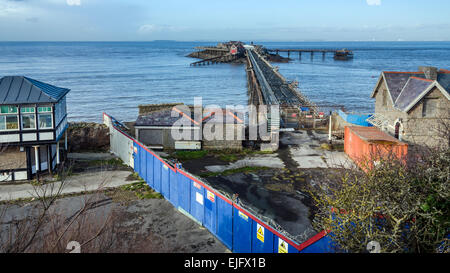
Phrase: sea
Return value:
(116, 77)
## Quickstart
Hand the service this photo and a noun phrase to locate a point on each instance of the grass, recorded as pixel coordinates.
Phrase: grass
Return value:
(279, 187)
(224, 155)
(188, 155)
(228, 157)
(142, 190)
(247, 169)
(332, 147)
(109, 162)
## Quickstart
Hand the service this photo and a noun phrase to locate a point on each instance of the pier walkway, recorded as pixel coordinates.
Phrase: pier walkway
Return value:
(273, 86)
(336, 52)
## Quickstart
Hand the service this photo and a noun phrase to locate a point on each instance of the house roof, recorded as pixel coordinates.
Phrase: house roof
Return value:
(444, 79)
(21, 90)
(374, 135)
(412, 89)
(164, 118)
(395, 81)
(228, 117)
(407, 88)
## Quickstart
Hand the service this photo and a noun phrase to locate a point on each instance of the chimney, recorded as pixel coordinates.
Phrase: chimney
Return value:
(430, 72)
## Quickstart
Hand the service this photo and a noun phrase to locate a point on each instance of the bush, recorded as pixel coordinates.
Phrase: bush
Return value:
(404, 207)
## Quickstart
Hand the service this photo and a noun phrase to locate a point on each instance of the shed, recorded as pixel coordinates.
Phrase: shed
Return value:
(156, 130)
(368, 145)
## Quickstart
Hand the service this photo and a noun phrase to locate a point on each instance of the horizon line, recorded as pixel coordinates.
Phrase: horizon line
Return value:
(183, 41)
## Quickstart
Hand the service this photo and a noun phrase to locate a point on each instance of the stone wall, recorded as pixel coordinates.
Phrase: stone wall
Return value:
(234, 143)
(149, 108)
(415, 129)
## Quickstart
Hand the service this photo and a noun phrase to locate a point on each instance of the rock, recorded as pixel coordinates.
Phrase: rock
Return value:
(87, 136)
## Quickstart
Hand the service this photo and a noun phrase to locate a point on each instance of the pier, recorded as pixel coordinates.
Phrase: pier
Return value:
(266, 86)
(338, 54)
(214, 60)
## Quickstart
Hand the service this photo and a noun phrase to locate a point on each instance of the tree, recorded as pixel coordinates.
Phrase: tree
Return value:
(402, 206)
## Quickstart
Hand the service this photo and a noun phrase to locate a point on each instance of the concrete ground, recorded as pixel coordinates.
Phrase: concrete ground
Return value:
(90, 156)
(83, 182)
(263, 160)
(305, 149)
(140, 225)
(137, 226)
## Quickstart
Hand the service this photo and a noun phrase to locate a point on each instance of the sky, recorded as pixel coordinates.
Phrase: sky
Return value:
(209, 20)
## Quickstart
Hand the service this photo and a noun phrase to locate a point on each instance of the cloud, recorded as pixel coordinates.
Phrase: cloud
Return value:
(73, 2)
(151, 28)
(373, 2)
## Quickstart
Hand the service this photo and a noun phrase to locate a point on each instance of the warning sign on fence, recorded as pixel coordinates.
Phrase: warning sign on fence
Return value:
(197, 185)
(260, 232)
(210, 196)
(282, 246)
(199, 198)
(243, 216)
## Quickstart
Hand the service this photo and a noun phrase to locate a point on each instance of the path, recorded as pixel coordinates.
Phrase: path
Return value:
(84, 182)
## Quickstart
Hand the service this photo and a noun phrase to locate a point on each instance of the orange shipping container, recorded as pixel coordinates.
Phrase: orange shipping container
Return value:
(367, 145)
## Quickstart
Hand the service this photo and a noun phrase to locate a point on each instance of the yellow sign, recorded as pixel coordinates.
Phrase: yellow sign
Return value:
(243, 216)
(282, 246)
(260, 232)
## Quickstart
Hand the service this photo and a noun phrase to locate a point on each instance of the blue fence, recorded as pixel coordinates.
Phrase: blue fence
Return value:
(238, 229)
(355, 119)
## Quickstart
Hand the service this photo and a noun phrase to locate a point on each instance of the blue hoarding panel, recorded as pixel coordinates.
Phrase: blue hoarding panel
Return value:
(281, 246)
(242, 232)
(142, 161)
(262, 241)
(165, 176)
(184, 189)
(197, 201)
(149, 163)
(157, 175)
(292, 249)
(210, 211)
(136, 157)
(323, 245)
(225, 222)
(173, 188)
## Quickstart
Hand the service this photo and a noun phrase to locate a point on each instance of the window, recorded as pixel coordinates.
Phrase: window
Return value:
(27, 110)
(28, 121)
(429, 108)
(45, 121)
(44, 109)
(8, 118)
(6, 109)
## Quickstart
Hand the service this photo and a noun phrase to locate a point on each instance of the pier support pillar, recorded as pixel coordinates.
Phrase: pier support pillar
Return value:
(323, 55)
(299, 55)
(312, 55)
